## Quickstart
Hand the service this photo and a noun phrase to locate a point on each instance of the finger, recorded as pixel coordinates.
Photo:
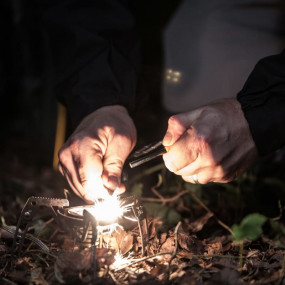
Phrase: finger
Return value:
(120, 190)
(207, 175)
(69, 170)
(191, 168)
(67, 176)
(59, 166)
(90, 172)
(177, 125)
(174, 131)
(183, 152)
(115, 156)
(203, 176)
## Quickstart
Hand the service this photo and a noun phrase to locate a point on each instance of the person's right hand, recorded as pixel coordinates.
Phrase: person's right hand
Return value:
(212, 143)
(93, 157)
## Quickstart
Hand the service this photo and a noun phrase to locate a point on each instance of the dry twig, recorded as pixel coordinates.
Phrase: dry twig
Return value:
(135, 261)
(175, 249)
(194, 196)
(165, 200)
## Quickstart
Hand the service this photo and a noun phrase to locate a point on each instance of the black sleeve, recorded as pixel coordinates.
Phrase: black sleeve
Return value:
(263, 102)
(95, 53)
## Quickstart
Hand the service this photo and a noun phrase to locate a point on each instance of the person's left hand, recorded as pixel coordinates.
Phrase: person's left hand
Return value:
(209, 144)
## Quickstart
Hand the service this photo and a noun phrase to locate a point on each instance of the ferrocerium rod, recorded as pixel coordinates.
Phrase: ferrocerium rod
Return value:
(148, 154)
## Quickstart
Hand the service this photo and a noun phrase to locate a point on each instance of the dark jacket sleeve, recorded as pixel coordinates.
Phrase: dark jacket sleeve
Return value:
(95, 53)
(263, 102)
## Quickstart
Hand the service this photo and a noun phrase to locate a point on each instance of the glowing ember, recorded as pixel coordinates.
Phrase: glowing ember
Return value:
(120, 261)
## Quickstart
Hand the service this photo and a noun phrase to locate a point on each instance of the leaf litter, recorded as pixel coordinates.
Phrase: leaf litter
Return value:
(197, 250)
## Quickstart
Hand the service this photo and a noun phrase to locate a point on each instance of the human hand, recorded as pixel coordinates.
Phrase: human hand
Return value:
(212, 143)
(93, 157)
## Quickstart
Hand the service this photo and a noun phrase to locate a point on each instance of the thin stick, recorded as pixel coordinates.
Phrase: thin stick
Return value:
(211, 255)
(143, 259)
(176, 242)
(7, 281)
(41, 225)
(113, 277)
(42, 259)
(3, 269)
(172, 199)
(281, 210)
(209, 211)
(281, 276)
(173, 254)
(41, 251)
(165, 200)
(153, 189)
(175, 249)
(241, 246)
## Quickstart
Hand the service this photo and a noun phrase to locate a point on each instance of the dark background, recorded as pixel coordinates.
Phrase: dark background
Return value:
(28, 107)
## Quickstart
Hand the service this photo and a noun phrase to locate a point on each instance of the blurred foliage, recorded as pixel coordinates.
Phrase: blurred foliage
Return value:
(249, 228)
(169, 215)
(137, 189)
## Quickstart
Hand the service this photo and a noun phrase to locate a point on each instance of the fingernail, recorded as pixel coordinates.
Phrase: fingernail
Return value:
(167, 138)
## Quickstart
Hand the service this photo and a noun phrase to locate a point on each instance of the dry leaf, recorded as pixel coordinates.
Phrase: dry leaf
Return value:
(214, 248)
(104, 256)
(188, 242)
(69, 265)
(168, 246)
(199, 223)
(37, 277)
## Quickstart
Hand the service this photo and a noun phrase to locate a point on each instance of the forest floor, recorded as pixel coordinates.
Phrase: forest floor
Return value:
(214, 234)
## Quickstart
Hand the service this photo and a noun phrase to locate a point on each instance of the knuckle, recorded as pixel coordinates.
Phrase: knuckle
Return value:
(63, 155)
(210, 113)
(109, 130)
(204, 136)
(74, 141)
(173, 120)
(115, 165)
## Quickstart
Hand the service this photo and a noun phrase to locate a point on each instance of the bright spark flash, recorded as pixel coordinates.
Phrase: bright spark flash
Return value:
(121, 261)
(107, 210)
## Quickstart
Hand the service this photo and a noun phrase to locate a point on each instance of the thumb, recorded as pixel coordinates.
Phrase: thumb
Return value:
(90, 174)
(177, 125)
(113, 163)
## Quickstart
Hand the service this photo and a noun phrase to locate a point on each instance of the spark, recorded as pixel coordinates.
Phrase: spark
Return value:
(107, 210)
(121, 261)
(109, 229)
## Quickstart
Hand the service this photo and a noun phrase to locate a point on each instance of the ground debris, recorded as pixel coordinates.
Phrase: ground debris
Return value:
(194, 254)
(213, 260)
